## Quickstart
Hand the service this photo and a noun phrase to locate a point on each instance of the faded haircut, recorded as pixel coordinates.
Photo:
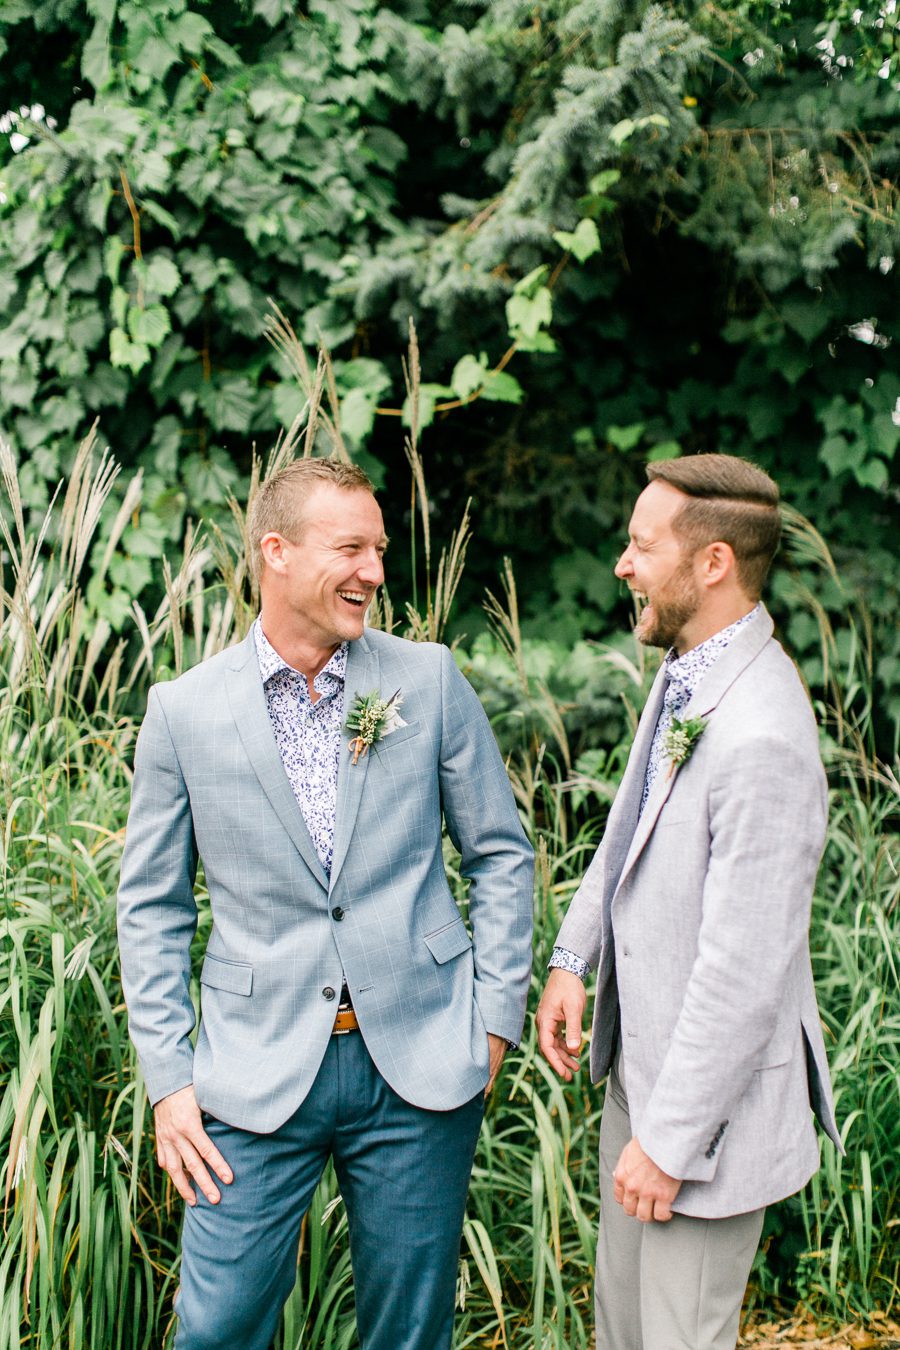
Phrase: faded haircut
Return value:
(730, 500)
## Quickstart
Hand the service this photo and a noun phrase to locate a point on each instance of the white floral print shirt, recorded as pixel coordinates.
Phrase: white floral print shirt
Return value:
(308, 735)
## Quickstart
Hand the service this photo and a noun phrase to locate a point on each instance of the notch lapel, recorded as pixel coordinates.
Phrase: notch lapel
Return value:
(247, 702)
(740, 652)
(361, 677)
(623, 816)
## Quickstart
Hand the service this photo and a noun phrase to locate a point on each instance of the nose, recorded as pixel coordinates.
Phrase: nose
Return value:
(371, 568)
(623, 567)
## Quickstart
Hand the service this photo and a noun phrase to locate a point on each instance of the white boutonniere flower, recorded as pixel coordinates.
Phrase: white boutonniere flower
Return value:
(680, 740)
(370, 719)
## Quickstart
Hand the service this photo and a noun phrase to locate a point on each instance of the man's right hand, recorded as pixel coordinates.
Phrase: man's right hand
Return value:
(559, 1018)
(184, 1148)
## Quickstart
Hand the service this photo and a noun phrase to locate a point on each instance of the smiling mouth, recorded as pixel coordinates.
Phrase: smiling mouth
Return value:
(358, 599)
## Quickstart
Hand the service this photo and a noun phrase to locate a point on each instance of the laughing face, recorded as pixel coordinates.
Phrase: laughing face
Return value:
(657, 570)
(330, 574)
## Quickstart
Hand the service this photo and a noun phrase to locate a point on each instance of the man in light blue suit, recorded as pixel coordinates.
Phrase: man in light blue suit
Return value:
(694, 913)
(346, 1011)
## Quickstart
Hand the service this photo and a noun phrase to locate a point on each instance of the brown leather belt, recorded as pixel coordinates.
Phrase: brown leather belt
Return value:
(344, 1021)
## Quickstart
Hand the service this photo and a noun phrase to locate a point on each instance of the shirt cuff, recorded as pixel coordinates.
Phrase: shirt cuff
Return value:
(563, 959)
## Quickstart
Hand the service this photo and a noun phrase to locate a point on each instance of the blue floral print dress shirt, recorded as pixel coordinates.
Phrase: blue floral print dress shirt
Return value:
(308, 735)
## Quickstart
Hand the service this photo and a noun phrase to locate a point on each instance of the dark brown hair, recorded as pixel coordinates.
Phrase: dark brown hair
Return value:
(280, 501)
(731, 501)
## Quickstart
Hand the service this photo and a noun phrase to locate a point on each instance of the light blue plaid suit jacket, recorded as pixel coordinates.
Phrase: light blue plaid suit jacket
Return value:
(209, 783)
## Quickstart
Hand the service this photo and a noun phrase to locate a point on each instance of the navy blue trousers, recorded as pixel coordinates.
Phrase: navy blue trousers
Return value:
(403, 1174)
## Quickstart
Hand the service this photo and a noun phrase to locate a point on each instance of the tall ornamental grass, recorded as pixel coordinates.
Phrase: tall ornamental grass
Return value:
(90, 1224)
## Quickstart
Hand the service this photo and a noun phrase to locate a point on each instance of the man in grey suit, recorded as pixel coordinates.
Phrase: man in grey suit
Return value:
(345, 1009)
(695, 914)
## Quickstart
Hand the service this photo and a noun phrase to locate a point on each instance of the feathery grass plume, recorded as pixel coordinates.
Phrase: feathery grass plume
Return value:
(281, 335)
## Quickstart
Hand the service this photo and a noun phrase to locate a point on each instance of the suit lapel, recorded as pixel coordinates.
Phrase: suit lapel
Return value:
(247, 702)
(362, 676)
(624, 811)
(737, 656)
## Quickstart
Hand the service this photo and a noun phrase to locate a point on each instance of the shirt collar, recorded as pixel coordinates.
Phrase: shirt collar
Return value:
(270, 663)
(688, 670)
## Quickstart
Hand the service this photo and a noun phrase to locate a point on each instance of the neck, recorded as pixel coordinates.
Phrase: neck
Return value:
(304, 654)
(711, 620)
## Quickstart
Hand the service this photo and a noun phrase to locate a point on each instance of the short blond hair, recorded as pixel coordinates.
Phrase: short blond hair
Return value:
(279, 504)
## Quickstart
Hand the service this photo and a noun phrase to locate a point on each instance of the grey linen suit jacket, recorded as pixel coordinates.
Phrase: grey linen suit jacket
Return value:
(209, 783)
(696, 918)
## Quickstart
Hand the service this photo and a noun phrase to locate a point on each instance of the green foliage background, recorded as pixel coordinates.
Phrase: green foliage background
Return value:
(682, 216)
(624, 231)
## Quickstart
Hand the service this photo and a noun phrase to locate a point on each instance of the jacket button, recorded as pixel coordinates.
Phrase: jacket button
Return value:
(337, 913)
(328, 993)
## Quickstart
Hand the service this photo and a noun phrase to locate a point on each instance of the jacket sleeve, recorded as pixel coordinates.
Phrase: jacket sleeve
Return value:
(767, 826)
(157, 913)
(483, 823)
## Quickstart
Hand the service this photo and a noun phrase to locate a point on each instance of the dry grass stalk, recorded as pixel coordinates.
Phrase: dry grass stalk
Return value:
(281, 335)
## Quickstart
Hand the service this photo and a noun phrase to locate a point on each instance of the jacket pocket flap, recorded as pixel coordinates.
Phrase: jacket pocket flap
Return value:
(448, 941)
(232, 976)
(401, 734)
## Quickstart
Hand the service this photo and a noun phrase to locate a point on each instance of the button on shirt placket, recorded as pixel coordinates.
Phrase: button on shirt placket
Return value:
(308, 736)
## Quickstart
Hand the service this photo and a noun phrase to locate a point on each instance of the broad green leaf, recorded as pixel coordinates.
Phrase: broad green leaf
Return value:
(357, 415)
(468, 375)
(626, 438)
(429, 395)
(162, 276)
(873, 474)
(113, 252)
(130, 355)
(501, 387)
(149, 325)
(583, 242)
(289, 401)
(95, 56)
(527, 314)
(229, 404)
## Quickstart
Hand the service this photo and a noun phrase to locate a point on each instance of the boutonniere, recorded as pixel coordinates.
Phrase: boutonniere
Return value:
(371, 718)
(681, 739)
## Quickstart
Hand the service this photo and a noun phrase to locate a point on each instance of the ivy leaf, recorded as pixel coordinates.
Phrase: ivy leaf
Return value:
(625, 438)
(229, 405)
(132, 356)
(501, 387)
(468, 375)
(582, 243)
(150, 325)
(162, 276)
(429, 394)
(289, 401)
(357, 415)
(526, 315)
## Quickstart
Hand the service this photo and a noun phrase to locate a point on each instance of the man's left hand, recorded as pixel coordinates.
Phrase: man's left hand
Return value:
(498, 1048)
(643, 1190)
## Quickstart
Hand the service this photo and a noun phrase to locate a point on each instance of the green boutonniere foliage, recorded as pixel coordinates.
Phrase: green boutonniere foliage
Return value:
(680, 740)
(370, 718)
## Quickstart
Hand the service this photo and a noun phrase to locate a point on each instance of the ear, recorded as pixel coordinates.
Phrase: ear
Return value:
(717, 563)
(273, 547)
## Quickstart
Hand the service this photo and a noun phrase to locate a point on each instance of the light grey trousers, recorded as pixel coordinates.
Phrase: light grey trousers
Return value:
(665, 1286)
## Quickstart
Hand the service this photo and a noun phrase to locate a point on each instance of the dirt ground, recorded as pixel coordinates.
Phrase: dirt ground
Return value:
(769, 1334)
